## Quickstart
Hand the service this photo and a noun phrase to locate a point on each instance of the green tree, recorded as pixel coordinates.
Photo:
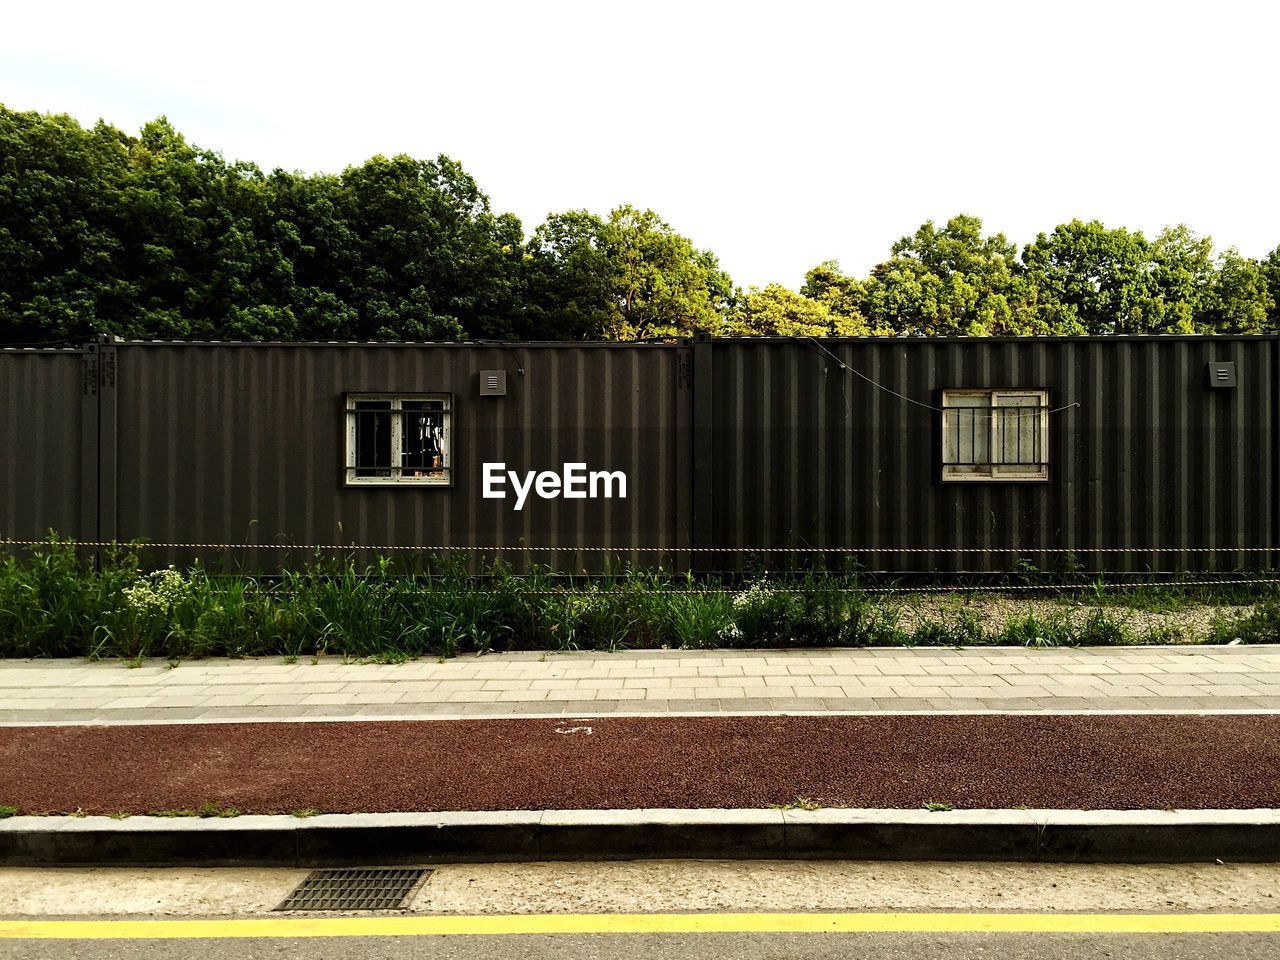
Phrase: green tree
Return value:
(842, 295)
(1271, 274)
(778, 311)
(435, 262)
(150, 236)
(949, 282)
(1182, 274)
(1239, 299)
(623, 277)
(59, 197)
(1092, 279)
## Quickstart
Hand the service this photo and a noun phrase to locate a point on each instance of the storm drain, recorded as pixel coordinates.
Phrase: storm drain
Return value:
(368, 889)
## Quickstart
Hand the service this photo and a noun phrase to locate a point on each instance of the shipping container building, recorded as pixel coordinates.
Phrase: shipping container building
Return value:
(1143, 453)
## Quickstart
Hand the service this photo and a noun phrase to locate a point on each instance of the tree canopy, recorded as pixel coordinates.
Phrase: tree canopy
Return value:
(102, 232)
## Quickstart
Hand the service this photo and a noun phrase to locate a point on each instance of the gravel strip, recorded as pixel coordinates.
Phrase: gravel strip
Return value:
(1191, 624)
(1065, 762)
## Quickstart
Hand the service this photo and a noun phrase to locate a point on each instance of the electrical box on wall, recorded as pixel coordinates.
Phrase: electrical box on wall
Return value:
(1222, 374)
(493, 383)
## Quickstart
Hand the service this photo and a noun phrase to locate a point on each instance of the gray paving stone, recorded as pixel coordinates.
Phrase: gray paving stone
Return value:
(744, 704)
(799, 703)
(870, 705)
(590, 707)
(691, 705)
(1010, 703)
(1133, 678)
(644, 706)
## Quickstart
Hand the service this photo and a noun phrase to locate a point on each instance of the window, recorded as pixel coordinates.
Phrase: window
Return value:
(399, 439)
(995, 435)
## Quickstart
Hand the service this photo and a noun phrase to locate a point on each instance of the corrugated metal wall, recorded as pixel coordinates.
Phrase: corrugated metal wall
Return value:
(728, 445)
(245, 444)
(48, 425)
(807, 454)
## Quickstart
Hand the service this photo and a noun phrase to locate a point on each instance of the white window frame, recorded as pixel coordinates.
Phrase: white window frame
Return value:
(992, 470)
(397, 479)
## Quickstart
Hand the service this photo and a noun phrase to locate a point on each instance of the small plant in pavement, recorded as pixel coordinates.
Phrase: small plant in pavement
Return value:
(210, 809)
(799, 803)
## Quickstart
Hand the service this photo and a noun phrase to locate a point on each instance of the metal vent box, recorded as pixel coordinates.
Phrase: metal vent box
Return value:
(1222, 374)
(493, 383)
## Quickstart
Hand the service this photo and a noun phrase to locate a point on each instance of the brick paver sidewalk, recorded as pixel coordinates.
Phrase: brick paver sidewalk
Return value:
(1239, 678)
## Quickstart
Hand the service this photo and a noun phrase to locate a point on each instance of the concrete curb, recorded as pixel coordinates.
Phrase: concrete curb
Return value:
(126, 720)
(1104, 836)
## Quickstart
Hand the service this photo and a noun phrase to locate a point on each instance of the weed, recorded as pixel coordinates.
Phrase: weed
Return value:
(1100, 629)
(799, 803)
(1030, 630)
(938, 806)
(1165, 634)
(962, 629)
(210, 809)
(6, 812)
(56, 602)
(1262, 625)
(304, 813)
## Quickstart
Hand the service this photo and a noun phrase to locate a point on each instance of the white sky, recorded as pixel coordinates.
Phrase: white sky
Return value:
(776, 134)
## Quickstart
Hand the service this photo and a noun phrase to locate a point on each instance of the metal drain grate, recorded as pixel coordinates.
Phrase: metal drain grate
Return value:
(355, 889)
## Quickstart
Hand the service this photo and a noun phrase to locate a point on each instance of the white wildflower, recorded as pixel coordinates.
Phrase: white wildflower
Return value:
(756, 594)
(156, 593)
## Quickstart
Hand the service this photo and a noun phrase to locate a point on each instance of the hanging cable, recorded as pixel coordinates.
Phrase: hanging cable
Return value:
(813, 341)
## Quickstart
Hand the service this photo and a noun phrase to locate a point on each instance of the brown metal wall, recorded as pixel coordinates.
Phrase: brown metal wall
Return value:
(726, 444)
(48, 425)
(808, 455)
(228, 444)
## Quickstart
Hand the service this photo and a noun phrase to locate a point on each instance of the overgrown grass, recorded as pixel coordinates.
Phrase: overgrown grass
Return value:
(1171, 597)
(1261, 625)
(56, 603)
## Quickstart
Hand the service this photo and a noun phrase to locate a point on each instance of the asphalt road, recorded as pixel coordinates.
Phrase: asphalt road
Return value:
(664, 910)
(811, 946)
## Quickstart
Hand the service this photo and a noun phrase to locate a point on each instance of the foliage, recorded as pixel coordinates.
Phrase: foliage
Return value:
(149, 236)
(1271, 273)
(627, 276)
(1261, 625)
(57, 603)
(1098, 280)
(1082, 278)
(778, 311)
(950, 282)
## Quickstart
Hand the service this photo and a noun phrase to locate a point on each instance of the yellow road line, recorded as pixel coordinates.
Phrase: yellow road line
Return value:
(410, 926)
